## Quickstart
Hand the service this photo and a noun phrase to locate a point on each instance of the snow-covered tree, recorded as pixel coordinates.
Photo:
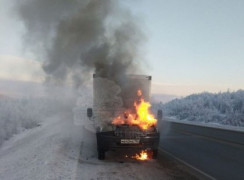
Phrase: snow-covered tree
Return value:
(224, 108)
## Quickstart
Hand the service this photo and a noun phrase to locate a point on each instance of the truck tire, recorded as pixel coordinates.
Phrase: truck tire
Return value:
(101, 154)
(155, 154)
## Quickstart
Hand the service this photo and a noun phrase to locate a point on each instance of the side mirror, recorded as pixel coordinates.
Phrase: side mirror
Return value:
(160, 114)
(89, 112)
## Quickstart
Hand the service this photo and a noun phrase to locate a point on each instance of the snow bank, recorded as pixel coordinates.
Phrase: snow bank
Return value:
(19, 114)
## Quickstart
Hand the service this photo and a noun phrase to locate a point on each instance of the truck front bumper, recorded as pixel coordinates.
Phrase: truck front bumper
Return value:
(108, 141)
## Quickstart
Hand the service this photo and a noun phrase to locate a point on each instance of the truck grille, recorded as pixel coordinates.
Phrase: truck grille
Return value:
(129, 132)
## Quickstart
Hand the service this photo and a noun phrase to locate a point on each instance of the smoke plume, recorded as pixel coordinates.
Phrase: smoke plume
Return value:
(78, 37)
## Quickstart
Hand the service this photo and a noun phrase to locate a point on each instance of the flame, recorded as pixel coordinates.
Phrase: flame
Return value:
(142, 156)
(143, 118)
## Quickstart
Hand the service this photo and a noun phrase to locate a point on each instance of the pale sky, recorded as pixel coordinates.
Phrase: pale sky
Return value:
(192, 46)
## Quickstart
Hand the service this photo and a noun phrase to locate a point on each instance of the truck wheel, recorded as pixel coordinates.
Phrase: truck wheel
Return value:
(101, 154)
(155, 154)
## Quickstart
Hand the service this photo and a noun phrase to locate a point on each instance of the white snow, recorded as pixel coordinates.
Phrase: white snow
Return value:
(46, 152)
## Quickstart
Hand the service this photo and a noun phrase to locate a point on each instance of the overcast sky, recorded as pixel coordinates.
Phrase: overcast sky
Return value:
(192, 46)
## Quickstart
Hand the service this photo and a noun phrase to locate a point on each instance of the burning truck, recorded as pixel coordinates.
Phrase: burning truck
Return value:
(122, 117)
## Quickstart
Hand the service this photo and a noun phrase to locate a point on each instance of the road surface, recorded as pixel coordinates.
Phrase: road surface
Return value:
(217, 158)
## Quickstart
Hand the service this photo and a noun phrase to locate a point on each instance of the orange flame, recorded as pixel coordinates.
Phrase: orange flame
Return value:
(142, 156)
(143, 118)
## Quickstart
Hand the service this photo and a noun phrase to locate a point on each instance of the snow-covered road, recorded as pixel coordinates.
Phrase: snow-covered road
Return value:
(46, 152)
(58, 149)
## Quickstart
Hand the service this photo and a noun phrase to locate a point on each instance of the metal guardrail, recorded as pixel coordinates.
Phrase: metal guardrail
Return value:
(216, 150)
(210, 124)
(219, 132)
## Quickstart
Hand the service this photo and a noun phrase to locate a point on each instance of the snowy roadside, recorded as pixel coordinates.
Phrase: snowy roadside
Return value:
(46, 152)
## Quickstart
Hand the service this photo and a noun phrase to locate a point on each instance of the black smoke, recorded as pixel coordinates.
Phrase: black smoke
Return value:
(78, 37)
